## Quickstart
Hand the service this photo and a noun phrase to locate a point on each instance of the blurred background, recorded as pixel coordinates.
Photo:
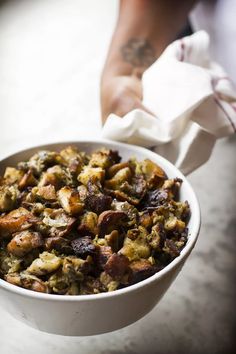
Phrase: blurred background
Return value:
(51, 56)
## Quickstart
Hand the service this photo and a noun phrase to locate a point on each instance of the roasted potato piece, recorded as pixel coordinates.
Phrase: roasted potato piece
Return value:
(8, 197)
(12, 175)
(88, 224)
(27, 281)
(27, 180)
(123, 175)
(104, 158)
(92, 174)
(23, 242)
(153, 173)
(73, 159)
(17, 220)
(47, 193)
(70, 200)
(45, 264)
(172, 223)
(49, 178)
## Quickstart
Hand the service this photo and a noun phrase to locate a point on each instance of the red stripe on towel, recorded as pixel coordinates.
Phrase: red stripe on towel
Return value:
(182, 50)
(226, 113)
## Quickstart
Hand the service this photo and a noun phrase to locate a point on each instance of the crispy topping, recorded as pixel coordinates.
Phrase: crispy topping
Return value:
(23, 242)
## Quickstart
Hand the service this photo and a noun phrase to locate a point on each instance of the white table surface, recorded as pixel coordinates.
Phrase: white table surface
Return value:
(51, 55)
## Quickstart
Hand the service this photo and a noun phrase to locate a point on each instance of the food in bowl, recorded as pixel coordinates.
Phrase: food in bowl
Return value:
(73, 223)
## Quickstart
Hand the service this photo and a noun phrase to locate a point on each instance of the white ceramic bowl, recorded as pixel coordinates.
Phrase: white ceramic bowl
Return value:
(93, 314)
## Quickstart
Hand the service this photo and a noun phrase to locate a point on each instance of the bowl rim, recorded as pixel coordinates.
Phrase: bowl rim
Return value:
(192, 237)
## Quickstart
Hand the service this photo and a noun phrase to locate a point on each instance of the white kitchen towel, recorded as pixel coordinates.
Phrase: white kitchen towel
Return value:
(193, 103)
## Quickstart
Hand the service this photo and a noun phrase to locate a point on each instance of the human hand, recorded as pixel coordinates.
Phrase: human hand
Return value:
(120, 95)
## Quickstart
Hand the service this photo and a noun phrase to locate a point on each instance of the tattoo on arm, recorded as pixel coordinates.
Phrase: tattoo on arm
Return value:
(138, 52)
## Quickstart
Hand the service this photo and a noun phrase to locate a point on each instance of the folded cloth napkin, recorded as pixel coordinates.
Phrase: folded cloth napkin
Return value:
(193, 103)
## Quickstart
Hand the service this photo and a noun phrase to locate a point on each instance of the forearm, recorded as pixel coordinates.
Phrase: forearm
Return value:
(144, 29)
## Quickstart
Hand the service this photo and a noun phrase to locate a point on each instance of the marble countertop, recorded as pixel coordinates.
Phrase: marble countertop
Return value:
(51, 55)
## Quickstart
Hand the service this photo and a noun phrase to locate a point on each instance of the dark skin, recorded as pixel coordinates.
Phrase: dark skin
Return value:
(144, 29)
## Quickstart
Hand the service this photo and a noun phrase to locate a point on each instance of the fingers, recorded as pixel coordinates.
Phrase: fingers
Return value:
(121, 99)
(120, 95)
(123, 106)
